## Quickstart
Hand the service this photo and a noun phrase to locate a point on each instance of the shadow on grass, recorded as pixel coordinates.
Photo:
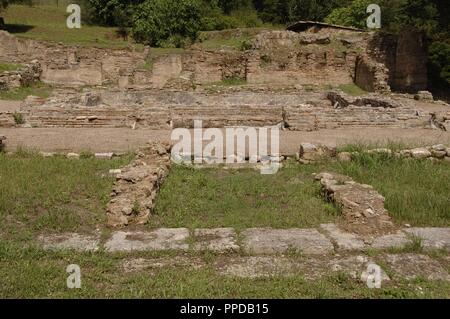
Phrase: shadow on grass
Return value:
(17, 28)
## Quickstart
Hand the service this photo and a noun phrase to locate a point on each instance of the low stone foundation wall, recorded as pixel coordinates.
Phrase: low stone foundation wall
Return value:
(309, 153)
(136, 186)
(362, 206)
(24, 77)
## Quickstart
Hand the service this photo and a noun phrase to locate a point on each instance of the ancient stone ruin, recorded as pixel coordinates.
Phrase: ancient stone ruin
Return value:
(136, 186)
(290, 79)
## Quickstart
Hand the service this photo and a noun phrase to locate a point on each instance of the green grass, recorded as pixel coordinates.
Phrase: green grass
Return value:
(27, 272)
(416, 192)
(9, 67)
(47, 195)
(352, 89)
(240, 199)
(53, 194)
(19, 94)
(49, 23)
(218, 43)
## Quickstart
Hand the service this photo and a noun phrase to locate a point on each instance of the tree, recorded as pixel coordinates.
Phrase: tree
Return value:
(111, 12)
(354, 15)
(288, 11)
(420, 14)
(5, 3)
(166, 22)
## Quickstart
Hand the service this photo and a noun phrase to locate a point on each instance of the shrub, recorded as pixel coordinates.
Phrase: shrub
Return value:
(18, 118)
(246, 45)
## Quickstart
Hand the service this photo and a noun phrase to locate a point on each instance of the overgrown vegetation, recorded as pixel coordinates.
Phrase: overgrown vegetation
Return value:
(352, 89)
(416, 193)
(9, 67)
(52, 194)
(18, 118)
(18, 94)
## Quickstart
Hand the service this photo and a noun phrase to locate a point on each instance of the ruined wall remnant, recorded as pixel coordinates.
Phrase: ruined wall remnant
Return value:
(393, 62)
(371, 76)
(411, 63)
(291, 58)
(158, 109)
(137, 184)
(362, 206)
(69, 65)
(24, 77)
(326, 56)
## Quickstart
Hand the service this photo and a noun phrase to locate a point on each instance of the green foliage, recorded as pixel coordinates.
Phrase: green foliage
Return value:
(18, 118)
(111, 12)
(354, 15)
(246, 45)
(439, 56)
(288, 11)
(4, 3)
(420, 14)
(166, 22)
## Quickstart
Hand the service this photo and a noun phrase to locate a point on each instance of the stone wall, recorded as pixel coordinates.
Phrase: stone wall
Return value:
(390, 62)
(411, 63)
(376, 62)
(25, 76)
(70, 65)
(168, 109)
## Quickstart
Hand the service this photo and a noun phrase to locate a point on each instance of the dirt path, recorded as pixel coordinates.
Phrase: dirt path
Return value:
(124, 139)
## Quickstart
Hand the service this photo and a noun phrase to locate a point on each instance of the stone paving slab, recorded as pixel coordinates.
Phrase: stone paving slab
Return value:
(400, 266)
(152, 264)
(70, 241)
(217, 239)
(256, 266)
(254, 240)
(310, 268)
(342, 239)
(412, 266)
(397, 240)
(269, 241)
(159, 239)
(432, 238)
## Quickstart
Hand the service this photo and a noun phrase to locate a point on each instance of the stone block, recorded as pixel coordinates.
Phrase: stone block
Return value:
(273, 241)
(157, 240)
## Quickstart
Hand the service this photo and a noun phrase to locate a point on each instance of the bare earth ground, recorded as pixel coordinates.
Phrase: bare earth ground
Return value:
(125, 139)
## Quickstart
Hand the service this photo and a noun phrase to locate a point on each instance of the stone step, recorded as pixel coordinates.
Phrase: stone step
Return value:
(254, 241)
